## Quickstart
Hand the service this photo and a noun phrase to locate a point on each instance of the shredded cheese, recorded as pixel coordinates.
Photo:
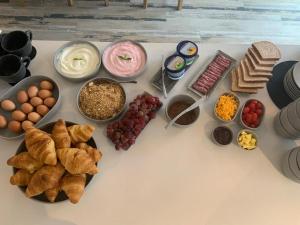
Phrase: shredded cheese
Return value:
(226, 107)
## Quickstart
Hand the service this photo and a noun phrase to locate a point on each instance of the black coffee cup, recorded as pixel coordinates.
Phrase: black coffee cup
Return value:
(17, 42)
(13, 68)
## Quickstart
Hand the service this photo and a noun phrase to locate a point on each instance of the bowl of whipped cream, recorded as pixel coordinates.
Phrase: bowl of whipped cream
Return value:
(124, 59)
(77, 60)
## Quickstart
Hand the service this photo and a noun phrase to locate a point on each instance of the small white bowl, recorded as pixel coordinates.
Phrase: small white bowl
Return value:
(248, 131)
(186, 98)
(237, 110)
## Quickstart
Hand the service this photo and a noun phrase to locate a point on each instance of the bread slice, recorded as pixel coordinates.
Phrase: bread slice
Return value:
(243, 84)
(267, 50)
(235, 88)
(254, 73)
(247, 77)
(257, 67)
(259, 61)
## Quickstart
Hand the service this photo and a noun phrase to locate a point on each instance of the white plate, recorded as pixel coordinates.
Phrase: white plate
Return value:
(293, 116)
(286, 168)
(296, 74)
(293, 162)
(278, 127)
(286, 124)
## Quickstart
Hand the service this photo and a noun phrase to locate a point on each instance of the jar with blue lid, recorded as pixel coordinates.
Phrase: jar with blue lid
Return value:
(188, 50)
(175, 66)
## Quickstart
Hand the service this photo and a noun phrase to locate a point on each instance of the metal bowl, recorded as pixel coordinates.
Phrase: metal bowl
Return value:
(248, 131)
(237, 110)
(262, 117)
(101, 80)
(133, 76)
(186, 98)
(214, 139)
(62, 48)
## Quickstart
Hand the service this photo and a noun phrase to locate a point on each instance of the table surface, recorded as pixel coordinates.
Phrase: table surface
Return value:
(176, 176)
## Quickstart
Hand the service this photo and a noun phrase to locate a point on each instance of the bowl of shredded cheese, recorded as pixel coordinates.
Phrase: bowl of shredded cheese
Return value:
(226, 107)
(247, 140)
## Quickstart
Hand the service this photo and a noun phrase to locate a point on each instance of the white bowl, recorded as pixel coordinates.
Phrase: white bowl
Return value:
(248, 131)
(262, 117)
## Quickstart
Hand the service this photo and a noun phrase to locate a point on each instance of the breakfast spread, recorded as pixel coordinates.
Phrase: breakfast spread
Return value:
(255, 69)
(78, 60)
(216, 69)
(124, 58)
(252, 113)
(30, 107)
(124, 132)
(226, 107)
(222, 135)
(51, 163)
(101, 99)
(247, 140)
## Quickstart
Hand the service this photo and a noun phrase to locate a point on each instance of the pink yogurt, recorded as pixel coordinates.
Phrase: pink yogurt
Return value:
(114, 59)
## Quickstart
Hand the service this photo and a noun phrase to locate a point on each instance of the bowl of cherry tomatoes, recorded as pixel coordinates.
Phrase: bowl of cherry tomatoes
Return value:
(252, 114)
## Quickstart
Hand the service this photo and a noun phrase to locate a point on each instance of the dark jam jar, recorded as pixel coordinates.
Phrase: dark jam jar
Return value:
(222, 135)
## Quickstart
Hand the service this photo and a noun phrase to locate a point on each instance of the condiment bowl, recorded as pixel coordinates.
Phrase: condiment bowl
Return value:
(102, 80)
(216, 141)
(248, 131)
(185, 98)
(68, 44)
(261, 118)
(131, 76)
(237, 110)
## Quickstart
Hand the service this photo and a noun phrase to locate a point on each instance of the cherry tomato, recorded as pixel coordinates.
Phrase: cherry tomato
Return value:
(246, 110)
(252, 106)
(259, 105)
(252, 125)
(254, 117)
(259, 112)
(249, 118)
(254, 102)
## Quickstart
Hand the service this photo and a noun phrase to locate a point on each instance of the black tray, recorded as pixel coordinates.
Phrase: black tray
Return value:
(169, 83)
(61, 195)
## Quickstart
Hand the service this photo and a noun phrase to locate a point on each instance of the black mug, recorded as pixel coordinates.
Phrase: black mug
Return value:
(13, 68)
(17, 42)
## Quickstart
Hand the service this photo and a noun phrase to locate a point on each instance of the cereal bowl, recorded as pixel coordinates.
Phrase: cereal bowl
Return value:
(101, 100)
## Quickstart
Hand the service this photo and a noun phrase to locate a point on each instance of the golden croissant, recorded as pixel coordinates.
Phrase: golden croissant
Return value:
(80, 133)
(94, 153)
(40, 146)
(60, 135)
(76, 161)
(24, 161)
(52, 193)
(73, 186)
(45, 178)
(21, 178)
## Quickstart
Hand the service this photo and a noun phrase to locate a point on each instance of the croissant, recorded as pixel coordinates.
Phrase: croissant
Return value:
(40, 146)
(73, 186)
(52, 193)
(94, 153)
(21, 178)
(76, 161)
(24, 161)
(80, 133)
(45, 178)
(60, 135)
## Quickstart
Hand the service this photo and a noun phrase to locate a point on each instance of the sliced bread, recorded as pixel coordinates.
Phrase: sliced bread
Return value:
(243, 84)
(259, 61)
(235, 88)
(256, 67)
(254, 73)
(247, 77)
(267, 50)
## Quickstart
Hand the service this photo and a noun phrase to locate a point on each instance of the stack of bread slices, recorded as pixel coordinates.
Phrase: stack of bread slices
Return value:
(255, 69)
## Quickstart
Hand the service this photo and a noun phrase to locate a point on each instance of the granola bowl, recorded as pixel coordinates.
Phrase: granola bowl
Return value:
(101, 100)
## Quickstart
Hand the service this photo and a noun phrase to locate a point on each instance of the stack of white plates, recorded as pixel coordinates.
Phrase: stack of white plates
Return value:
(291, 164)
(287, 121)
(291, 82)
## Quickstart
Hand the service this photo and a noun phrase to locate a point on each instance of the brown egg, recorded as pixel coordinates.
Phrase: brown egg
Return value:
(42, 110)
(18, 115)
(44, 94)
(14, 126)
(50, 102)
(3, 122)
(32, 91)
(8, 105)
(35, 101)
(26, 107)
(26, 124)
(46, 85)
(22, 97)
(34, 117)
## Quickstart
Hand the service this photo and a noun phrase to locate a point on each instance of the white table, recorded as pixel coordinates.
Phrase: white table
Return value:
(172, 177)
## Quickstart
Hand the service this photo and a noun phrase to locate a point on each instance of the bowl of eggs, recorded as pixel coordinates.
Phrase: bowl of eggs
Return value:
(29, 103)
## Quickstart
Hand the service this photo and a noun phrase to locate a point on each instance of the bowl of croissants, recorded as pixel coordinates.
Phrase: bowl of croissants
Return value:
(55, 162)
